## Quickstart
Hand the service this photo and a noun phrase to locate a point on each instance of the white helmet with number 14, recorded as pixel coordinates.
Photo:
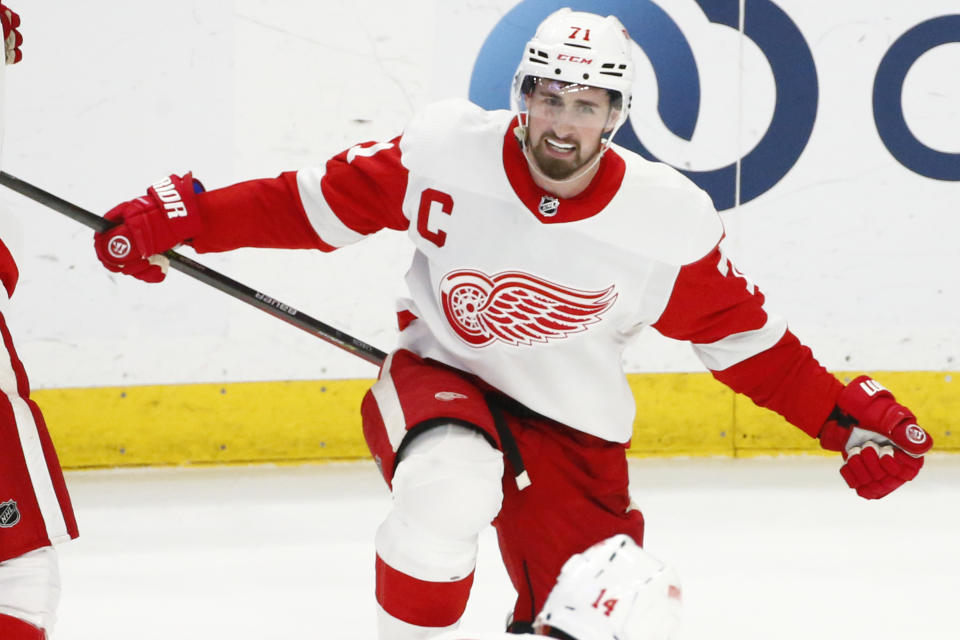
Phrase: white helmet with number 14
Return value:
(613, 591)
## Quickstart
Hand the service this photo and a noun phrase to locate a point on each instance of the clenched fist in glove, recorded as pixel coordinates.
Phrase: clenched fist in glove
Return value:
(11, 36)
(882, 444)
(148, 226)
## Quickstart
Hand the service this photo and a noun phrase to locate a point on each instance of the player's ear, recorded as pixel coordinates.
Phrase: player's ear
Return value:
(612, 118)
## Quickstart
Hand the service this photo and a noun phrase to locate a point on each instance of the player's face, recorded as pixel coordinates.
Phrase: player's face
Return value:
(564, 124)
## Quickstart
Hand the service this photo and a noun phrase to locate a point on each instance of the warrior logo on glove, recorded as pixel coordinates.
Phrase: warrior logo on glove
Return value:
(148, 226)
(881, 442)
(119, 247)
(916, 435)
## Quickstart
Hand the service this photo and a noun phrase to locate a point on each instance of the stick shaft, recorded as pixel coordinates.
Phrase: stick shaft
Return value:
(208, 276)
(92, 220)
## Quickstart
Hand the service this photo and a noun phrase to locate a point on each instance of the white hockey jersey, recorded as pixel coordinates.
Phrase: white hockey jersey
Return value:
(536, 295)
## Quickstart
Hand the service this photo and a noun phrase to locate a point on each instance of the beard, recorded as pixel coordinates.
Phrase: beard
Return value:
(553, 167)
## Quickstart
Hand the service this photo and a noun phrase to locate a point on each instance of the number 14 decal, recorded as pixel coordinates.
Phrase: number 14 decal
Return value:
(608, 604)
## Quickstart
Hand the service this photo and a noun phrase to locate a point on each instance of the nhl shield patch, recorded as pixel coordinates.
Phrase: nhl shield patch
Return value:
(9, 514)
(549, 205)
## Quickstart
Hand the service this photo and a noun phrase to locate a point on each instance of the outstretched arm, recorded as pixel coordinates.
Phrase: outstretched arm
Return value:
(721, 313)
(356, 193)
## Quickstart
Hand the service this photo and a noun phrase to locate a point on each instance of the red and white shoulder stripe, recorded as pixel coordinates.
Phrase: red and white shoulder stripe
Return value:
(358, 192)
(720, 311)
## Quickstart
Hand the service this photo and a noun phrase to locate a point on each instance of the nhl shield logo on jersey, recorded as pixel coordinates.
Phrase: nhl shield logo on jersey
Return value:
(549, 205)
(517, 308)
(9, 514)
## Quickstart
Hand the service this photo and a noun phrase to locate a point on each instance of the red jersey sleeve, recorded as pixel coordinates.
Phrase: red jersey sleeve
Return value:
(357, 193)
(720, 311)
(257, 213)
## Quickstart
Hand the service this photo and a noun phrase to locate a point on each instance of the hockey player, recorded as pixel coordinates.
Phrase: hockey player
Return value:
(35, 510)
(541, 250)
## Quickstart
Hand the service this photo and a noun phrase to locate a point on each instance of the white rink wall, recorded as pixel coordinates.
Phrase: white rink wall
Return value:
(856, 249)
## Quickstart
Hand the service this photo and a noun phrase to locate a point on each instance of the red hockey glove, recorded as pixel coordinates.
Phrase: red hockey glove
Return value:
(11, 36)
(148, 226)
(881, 443)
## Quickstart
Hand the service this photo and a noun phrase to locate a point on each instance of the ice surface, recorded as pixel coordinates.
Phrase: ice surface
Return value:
(766, 548)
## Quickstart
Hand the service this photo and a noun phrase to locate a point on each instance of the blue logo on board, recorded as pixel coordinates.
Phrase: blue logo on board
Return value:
(794, 73)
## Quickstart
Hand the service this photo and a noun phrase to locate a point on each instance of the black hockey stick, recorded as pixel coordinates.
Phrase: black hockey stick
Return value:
(208, 276)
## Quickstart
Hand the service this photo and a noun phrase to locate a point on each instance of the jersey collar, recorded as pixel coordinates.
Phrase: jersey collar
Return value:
(587, 203)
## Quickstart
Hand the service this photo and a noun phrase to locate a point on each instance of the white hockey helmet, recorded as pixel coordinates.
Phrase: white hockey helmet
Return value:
(579, 48)
(614, 591)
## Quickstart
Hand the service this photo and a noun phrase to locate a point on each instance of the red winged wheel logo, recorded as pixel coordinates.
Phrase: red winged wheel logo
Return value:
(517, 308)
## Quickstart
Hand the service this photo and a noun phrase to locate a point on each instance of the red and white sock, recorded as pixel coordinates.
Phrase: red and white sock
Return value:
(412, 609)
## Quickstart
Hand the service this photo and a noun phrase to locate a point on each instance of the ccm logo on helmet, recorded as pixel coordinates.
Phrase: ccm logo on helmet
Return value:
(564, 56)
